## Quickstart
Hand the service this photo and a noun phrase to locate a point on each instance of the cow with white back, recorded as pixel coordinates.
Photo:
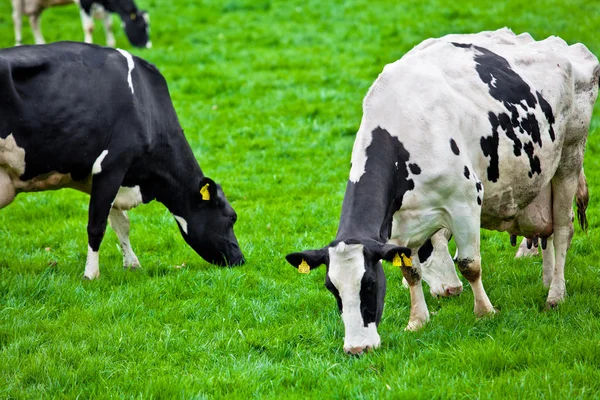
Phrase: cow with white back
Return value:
(457, 135)
(99, 120)
(135, 22)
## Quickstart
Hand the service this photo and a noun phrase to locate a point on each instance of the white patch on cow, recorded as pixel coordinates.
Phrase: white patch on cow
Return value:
(97, 167)
(11, 155)
(493, 82)
(92, 269)
(396, 164)
(127, 198)
(346, 270)
(130, 66)
(182, 222)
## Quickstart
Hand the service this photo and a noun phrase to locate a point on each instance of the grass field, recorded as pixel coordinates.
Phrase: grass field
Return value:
(269, 94)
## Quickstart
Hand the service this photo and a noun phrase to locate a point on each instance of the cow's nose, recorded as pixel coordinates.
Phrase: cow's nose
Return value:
(357, 351)
(454, 290)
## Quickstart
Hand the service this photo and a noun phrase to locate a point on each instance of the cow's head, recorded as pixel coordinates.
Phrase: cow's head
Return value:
(136, 23)
(356, 278)
(437, 266)
(208, 225)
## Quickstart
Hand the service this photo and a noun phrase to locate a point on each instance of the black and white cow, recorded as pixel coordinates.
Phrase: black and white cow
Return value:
(101, 121)
(135, 21)
(462, 132)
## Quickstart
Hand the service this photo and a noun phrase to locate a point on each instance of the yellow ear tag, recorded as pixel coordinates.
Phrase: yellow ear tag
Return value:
(204, 192)
(304, 268)
(407, 261)
(132, 16)
(396, 262)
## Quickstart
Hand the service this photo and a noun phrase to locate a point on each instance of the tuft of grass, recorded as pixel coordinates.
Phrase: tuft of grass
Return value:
(269, 94)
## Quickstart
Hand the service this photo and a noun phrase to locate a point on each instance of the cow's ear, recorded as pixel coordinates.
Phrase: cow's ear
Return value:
(395, 254)
(208, 189)
(309, 259)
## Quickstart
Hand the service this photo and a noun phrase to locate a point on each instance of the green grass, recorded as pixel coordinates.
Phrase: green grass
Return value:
(269, 94)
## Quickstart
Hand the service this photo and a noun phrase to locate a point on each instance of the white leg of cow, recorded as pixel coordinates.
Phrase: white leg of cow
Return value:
(110, 37)
(563, 192)
(17, 21)
(119, 222)
(92, 268)
(419, 315)
(36, 27)
(88, 26)
(549, 259)
(466, 236)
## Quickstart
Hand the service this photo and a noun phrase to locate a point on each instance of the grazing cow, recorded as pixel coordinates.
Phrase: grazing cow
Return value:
(437, 267)
(135, 21)
(123, 145)
(462, 132)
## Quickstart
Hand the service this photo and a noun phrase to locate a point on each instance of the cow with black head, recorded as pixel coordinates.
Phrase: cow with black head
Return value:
(123, 146)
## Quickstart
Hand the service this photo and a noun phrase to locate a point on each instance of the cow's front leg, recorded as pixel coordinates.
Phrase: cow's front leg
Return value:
(18, 21)
(105, 186)
(36, 27)
(119, 221)
(88, 26)
(469, 260)
(419, 315)
(110, 37)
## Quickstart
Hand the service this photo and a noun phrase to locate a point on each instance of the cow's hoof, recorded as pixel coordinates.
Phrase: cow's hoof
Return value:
(553, 303)
(484, 310)
(415, 325)
(134, 265)
(90, 277)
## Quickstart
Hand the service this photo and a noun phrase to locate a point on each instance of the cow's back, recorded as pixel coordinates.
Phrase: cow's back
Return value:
(68, 100)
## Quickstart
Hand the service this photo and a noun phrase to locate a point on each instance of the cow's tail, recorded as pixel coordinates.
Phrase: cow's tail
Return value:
(582, 198)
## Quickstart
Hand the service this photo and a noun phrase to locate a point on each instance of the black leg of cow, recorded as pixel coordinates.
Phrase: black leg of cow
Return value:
(104, 190)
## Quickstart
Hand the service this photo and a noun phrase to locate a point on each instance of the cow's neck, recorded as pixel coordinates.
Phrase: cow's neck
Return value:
(175, 176)
(371, 201)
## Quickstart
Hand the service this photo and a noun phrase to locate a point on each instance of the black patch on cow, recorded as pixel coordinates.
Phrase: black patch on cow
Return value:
(547, 109)
(478, 186)
(506, 86)
(478, 200)
(534, 161)
(93, 58)
(489, 145)
(370, 203)
(414, 168)
(467, 173)
(425, 251)
(454, 147)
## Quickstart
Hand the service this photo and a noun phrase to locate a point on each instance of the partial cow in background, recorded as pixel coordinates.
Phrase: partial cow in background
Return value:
(135, 21)
(123, 145)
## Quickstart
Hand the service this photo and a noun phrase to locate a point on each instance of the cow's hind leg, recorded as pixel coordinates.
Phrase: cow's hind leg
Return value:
(88, 26)
(549, 260)
(563, 192)
(119, 221)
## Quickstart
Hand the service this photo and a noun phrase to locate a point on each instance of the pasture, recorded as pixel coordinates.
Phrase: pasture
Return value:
(269, 94)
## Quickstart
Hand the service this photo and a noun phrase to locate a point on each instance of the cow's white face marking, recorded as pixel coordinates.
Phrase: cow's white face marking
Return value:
(12, 156)
(130, 67)
(97, 167)
(127, 198)
(182, 222)
(346, 270)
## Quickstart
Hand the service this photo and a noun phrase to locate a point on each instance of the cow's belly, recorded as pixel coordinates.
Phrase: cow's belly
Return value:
(533, 220)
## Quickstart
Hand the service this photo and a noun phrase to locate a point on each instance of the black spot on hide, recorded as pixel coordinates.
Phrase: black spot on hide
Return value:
(467, 173)
(454, 147)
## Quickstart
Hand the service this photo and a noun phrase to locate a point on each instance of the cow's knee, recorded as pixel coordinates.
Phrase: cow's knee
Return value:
(470, 269)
